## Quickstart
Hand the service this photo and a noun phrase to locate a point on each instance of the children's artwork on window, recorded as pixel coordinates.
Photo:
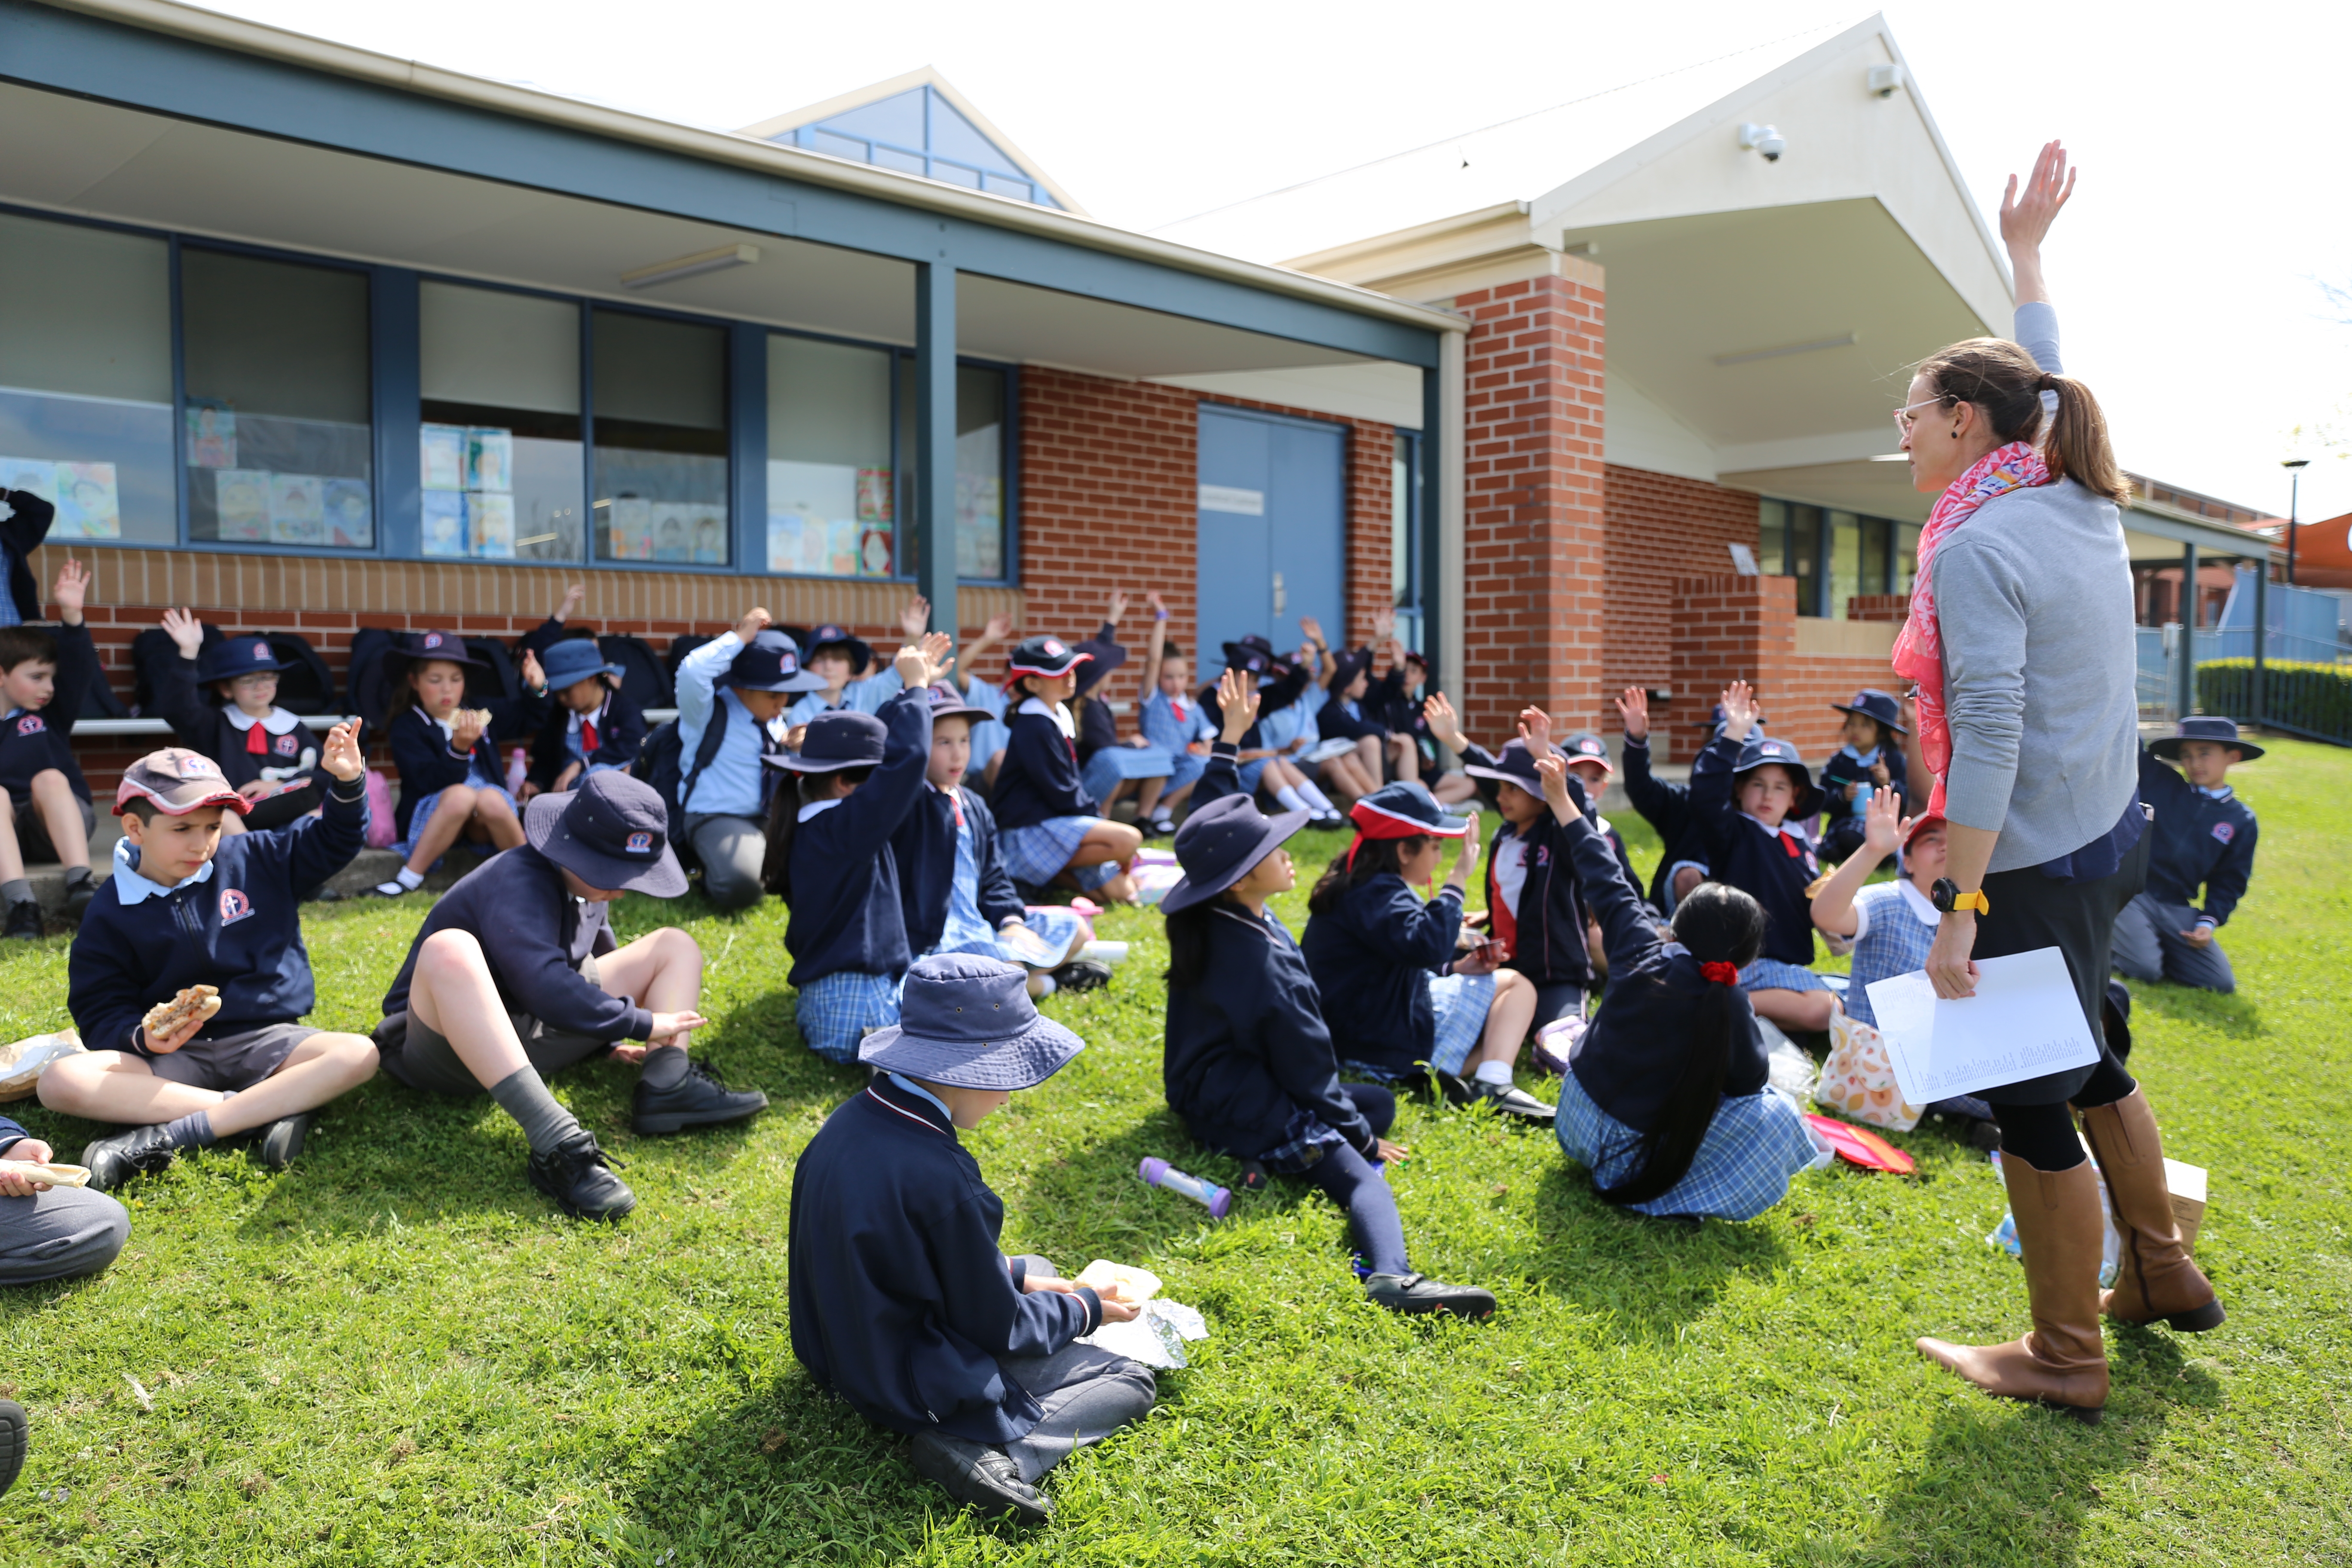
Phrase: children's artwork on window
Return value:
(490, 459)
(980, 525)
(874, 551)
(442, 448)
(241, 502)
(629, 529)
(672, 525)
(296, 509)
(709, 536)
(35, 476)
(489, 526)
(211, 435)
(874, 492)
(841, 547)
(89, 504)
(351, 514)
(445, 524)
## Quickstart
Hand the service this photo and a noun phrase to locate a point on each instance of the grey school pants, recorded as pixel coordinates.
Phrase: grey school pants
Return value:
(59, 1234)
(731, 850)
(2148, 946)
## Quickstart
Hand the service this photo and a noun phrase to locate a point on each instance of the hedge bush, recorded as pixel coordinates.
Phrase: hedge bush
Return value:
(2307, 696)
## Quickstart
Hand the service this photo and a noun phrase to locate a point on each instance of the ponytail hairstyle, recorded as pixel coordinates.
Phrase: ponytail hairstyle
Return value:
(1367, 859)
(1188, 941)
(1718, 924)
(2001, 379)
(785, 803)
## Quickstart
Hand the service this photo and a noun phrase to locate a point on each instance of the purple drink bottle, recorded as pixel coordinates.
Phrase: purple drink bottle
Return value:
(1158, 1173)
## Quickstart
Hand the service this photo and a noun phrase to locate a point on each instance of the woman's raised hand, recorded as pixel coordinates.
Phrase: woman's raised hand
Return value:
(2026, 215)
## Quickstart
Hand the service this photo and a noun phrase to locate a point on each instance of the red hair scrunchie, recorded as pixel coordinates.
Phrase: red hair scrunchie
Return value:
(1721, 974)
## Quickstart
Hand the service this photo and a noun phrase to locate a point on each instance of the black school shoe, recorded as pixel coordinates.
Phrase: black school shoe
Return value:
(24, 921)
(114, 1160)
(577, 1175)
(78, 895)
(1508, 1099)
(984, 1477)
(282, 1139)
(1082, 975)
(698, 1099)
(1416, 1294)
(13, 1440)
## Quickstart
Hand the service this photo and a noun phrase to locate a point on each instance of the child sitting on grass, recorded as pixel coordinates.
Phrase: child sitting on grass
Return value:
(1667, 1101)
(188, 906)
(50, 1232)
(901, 1302)
(858, 777)
(1249, 1062)
(268, 753)
(516, 975)
(1052, 825)
(1749, 796)
(2204, 838)
(1870, 759)
(452, 784)
(733, 694)
(1279, 683)
(1112, 769)
(43, 674)
(1172, 721)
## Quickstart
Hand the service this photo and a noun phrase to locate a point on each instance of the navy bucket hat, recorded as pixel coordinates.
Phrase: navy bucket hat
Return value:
(843, 738)
(2221, 732)
(613, 832)
(1402, 809)
(947, 702)
(1871, 703)
(1513, 765)
(770, 662)
(1220, 843)
(232, 656)
(1762, 749)
(573, 660)
(860, 652)
(967, 1022)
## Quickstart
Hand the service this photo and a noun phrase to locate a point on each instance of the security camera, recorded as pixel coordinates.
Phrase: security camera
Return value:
(1884, 80)
(1764, 138)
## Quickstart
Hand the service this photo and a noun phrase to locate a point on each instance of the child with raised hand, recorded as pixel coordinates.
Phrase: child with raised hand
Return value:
(1110, 768)
(516, 976)
(844, 663)
(901, 1302)
(2204, 841)
(956, 893)
(1349, 714)
(1396, 984)
(1891, 924)
(858, 776)
(1669, 1101)
(1052, 827)
(1172, 721)
(1249, 1063)
(1663, 805)
(45, 810)
(732, 693)
(187, 907)
(1869, 760)
(988, 732)
(1750, 795)
(452, 784)
(268, 753)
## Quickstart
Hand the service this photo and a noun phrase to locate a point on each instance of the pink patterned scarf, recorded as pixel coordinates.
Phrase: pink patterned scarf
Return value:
(1919, 649)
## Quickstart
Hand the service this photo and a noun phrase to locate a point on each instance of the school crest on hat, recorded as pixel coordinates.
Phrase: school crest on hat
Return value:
(261, 650)
(192, 766)
(432, 639)
(639, 844)
(1054, 646)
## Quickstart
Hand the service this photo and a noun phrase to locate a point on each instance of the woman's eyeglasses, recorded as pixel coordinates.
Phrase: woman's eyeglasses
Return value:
(1903, 420)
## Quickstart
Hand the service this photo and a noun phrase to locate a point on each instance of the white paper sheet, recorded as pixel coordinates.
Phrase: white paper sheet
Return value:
(2024, 1021)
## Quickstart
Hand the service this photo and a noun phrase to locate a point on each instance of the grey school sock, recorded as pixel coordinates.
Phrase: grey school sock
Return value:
(544, 1120)
(16, 890)
(77, 875)
(665, 1068)
(190, 1131)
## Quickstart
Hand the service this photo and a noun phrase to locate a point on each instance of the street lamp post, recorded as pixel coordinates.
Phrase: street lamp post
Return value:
(2294, 466)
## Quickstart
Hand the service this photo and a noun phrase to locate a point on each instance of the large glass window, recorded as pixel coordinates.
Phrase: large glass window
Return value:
(86, 378)
(500, 442)
(278, 437)
(1805, 557)
(1846, 578)
(830, 490)
(660, 400)
(1406, 524)
(1773, 538)
(1906, 557)
(980, 472)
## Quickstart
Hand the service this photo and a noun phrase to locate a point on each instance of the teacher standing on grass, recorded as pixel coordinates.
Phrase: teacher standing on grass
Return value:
(2020, 640)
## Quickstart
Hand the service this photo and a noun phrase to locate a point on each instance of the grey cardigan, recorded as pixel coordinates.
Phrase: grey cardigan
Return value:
(2034, 596)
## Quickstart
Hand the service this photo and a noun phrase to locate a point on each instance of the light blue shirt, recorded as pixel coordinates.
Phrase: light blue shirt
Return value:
(733, 785)
(911, 1087)
(967, 930)
(131, 888)
(865, 696)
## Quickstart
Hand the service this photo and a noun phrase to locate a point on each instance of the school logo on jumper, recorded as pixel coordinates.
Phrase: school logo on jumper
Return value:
(30, 724)
(235, 906)
(1543, 854)
(641, 844)
(286, 744)
(2225, 831)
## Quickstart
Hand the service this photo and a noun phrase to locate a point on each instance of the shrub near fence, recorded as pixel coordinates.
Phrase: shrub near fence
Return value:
(2314, 699)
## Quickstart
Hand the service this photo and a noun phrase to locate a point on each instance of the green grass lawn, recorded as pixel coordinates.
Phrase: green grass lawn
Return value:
(399, 1352)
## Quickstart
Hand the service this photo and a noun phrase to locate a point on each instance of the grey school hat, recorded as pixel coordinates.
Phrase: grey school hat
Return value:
(967, 1021)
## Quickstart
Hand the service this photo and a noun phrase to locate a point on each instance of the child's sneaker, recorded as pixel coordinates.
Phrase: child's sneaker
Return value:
(980, 1475)
(1081, 974)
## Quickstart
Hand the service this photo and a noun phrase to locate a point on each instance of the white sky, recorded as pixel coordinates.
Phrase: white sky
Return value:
(2187, 267)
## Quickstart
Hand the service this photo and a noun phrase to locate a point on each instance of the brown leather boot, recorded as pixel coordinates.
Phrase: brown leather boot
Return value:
(2063, 1361)
(2157, 1279)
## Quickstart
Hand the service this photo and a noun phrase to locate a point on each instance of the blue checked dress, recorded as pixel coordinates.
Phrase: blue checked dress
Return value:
(1756, 1143)
(835, 1013)
(1893, 939)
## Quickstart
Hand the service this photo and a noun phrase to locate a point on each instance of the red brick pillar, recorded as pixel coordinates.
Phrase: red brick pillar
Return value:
(1533, 531)
(1725, 628)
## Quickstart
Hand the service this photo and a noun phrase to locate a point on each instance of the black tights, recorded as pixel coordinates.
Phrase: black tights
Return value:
(1358, 1186)
(2044, 1135)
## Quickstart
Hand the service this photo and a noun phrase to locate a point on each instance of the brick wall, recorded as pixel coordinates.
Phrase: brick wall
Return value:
(1661, 528)
(1878, 606)
(1534, 573)
(1729, 627)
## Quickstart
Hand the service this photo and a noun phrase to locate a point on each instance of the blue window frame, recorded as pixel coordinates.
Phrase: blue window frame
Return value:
(1833, 555)
(919, 131)
(1407, 541)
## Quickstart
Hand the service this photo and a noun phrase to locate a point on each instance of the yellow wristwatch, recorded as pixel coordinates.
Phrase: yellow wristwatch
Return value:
(1948, 897)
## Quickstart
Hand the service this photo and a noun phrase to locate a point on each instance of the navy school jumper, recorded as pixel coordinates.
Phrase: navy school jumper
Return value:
(421, 753)
(1038, 779)
(205, 727)
(1841, 769)
(901, 1302)
(1272, 699)
(620, 737)
(33, 740)
(1633, 1049)
(847, 909)
(238, 929)
(1773, 867)
(1372, 958)
(1550, 916)
(925, 847)
(1666, 806)
(2200, 842)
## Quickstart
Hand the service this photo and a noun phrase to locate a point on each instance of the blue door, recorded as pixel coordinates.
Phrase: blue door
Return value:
(1273, 529)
